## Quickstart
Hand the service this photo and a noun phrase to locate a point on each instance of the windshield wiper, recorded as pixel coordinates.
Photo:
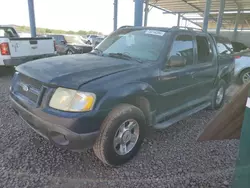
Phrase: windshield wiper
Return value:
(124, 56)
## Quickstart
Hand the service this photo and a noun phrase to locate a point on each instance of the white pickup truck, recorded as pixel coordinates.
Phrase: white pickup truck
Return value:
(15, 50)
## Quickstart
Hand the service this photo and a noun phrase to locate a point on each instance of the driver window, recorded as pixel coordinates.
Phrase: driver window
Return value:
(183, 46)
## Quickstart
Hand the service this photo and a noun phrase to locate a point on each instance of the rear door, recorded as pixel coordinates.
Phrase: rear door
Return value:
(206, 67)
(176, 83)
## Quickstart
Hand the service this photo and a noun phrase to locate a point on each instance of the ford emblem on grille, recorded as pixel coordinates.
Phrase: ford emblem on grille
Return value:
(25, 87)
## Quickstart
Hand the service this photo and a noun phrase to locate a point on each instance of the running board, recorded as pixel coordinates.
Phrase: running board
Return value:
(169, 122)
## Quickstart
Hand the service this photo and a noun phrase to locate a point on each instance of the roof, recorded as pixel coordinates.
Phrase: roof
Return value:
(198, 6)
(164, 29)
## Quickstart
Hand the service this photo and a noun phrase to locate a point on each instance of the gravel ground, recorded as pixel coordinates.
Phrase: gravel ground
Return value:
(170, 158)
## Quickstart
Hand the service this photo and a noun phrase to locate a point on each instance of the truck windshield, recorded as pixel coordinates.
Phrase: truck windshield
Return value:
(8, 32)
(140, 44)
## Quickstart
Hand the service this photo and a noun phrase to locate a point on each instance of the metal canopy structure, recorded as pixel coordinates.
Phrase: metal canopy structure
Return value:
(229, 21)
(232, 11)
(212, 13)
(198, 6)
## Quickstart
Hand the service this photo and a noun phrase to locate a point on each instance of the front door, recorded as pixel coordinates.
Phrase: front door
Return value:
(176, 83)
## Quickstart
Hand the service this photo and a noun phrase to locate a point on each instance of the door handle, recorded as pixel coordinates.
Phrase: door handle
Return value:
(191, 74)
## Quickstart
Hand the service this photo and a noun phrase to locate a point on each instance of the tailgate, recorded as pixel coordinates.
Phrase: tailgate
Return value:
(21, 47)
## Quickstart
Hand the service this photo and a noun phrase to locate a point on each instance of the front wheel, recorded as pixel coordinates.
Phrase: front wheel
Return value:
(121, 135)
(245, 76)
(219, 95)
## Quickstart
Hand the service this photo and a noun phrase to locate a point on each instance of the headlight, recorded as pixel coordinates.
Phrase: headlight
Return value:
(72, 100)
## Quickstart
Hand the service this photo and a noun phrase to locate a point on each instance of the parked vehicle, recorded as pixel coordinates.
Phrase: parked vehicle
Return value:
(90, 39)
(97, 41)
(242, 58)
(15, 50)
(66, 44)
(107, 99)
(238, 47)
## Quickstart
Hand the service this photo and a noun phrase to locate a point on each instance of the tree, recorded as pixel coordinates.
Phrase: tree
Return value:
(48, 30)
(55, 31)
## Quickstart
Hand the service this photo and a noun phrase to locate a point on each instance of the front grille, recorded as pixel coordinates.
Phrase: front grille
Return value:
(29, 88)
(27, 80)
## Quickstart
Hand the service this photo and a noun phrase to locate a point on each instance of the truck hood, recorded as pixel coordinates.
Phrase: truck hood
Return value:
(72, 71)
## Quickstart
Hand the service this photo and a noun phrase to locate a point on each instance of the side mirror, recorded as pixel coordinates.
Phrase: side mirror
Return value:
(177, 61)
(63, 41)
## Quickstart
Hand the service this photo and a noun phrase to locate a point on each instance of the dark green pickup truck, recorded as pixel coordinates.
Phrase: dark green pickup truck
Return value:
(107, 99)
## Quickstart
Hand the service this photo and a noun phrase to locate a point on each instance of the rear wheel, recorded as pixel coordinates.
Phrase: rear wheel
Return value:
(219, 95)
(70, 52)
(245, 76)
(121, 135)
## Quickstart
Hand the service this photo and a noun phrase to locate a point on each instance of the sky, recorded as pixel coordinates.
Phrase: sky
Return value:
(78, 14)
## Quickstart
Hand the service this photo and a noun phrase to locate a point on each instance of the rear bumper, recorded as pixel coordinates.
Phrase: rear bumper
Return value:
(21, 60)
(82, 50)
(55, 133)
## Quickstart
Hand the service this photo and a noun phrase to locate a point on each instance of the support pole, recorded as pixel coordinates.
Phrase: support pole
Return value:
(220, 16)
(32, 18)
(206, 15)
(138, 12)
(178, 19)
(146, 13)
(115, 14)
(237, 19)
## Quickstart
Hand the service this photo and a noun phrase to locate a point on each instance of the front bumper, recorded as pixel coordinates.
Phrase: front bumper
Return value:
(57, 134)
(20, 60)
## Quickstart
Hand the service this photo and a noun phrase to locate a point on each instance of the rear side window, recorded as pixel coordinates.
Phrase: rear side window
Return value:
(204, 51)
(8, 32)
(183, 46)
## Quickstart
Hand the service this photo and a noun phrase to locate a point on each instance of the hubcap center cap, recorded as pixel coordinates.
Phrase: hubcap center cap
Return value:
(126, 136)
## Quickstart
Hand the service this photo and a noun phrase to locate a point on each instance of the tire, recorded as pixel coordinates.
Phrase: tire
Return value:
(243, 74)
(70, 52)
(105, 148)
(221, 87)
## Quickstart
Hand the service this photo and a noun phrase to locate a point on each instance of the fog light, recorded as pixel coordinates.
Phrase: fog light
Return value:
(59, 138)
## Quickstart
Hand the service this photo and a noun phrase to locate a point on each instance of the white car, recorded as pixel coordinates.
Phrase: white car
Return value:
(91, 38)
(242, 62)
(242, 68)
(15, 50)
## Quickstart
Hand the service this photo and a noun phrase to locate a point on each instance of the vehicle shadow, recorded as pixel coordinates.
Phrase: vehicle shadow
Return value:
(6, 71)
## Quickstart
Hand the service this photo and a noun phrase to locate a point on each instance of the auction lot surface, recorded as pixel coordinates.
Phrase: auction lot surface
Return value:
(169, 158)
